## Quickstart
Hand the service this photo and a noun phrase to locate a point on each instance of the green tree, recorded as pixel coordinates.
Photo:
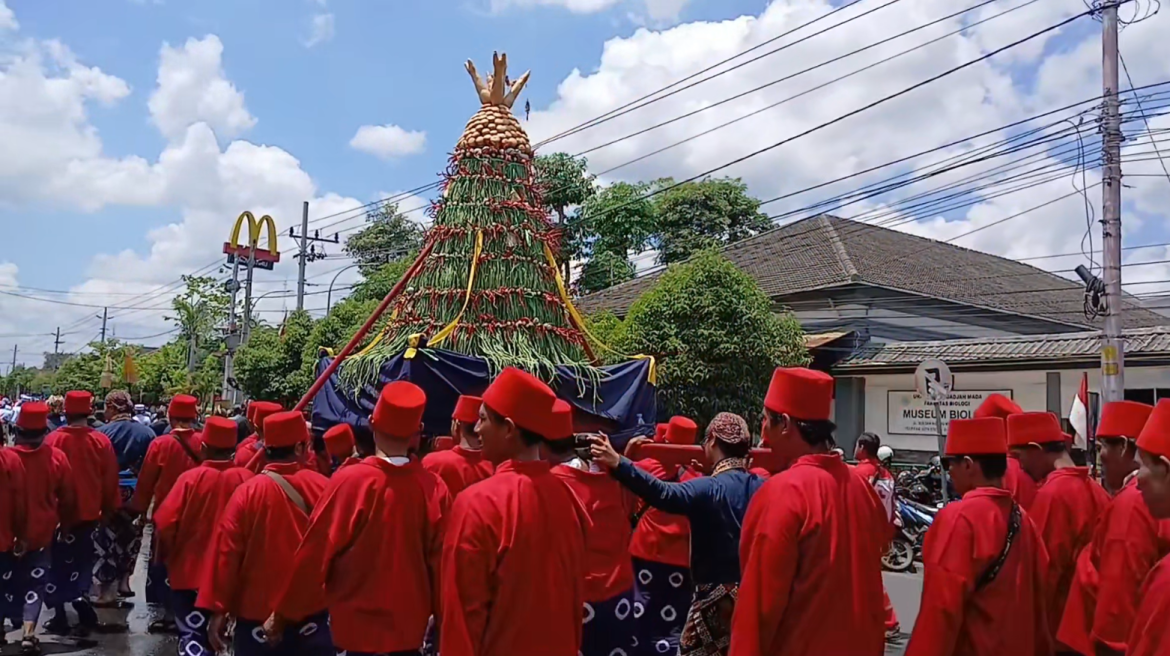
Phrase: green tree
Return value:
(609, 330)
(19, 381)
(618, 219)
(716, 339)
(389, 234)
(269, 366)
(695, 216)
(604, 269)
(197, 312)
(162, 373)
(378, 282)
(565, 182)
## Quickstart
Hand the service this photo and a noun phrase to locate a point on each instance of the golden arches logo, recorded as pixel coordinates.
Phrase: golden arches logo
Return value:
(264, 258)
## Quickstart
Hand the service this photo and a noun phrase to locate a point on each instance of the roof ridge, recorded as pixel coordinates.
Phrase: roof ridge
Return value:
(838, 247)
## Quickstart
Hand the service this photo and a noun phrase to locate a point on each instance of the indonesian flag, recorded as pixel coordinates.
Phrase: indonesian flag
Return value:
(1078, 415)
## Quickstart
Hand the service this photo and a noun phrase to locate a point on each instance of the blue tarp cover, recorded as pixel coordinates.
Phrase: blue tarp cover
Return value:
(624, 395)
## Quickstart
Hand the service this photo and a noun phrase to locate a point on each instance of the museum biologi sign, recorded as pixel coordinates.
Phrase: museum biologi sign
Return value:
(909, 413)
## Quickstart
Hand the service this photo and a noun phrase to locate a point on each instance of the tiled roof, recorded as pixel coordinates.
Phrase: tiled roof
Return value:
(1139, 342)
(827, 251)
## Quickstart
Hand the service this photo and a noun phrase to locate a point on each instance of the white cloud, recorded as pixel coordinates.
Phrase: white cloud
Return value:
(7, 18)
(192, 88)
(388, 141)
(321, 29)
(657, 11)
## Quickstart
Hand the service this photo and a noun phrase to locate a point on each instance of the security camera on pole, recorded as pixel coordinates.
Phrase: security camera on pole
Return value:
(934, 381)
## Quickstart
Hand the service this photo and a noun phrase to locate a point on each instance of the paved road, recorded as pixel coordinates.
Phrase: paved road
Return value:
(904, 591)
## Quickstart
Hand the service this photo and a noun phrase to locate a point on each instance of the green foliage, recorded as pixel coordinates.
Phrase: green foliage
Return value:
(618, 219)
(20, 380)
(379, 281)
(199, 310)
(716, 339)
(695, 216)
(269, 366)
(388, 235)
(610, 331)
(565, 181)
(605, 269)
(162, 373)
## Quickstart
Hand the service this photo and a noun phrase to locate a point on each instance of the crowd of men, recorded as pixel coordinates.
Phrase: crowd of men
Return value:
(527, 537)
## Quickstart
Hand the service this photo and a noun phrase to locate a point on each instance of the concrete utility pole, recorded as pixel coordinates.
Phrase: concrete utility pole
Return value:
(105, 317)
(57, 341)
(306, 254)
(233, 334)
(1112, 344)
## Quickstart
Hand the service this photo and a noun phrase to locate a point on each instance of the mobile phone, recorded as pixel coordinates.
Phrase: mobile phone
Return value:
(581, 445)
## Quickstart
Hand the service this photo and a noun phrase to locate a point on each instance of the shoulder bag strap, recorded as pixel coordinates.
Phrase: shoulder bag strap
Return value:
(1013, 529)
(636, 518)
(187, 449)
(289, 490)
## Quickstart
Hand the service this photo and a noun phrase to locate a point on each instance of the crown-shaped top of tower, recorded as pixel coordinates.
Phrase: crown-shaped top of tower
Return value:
(494, 126)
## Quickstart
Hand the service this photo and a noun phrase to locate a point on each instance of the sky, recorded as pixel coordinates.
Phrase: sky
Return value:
(134, 132)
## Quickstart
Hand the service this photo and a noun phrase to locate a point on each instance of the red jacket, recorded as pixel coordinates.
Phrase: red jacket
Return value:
(458, 467)
(1066, 510)
(184, 523)
(810, 553)
(253, 545)
(1150, 635)
(260, 459)
(246, 449)
(1103, 600)
(1008, 615)
(52, 499)
(609, 570)
(95, 470)
(371, 556)
(513, 569)
(165, 461)
(661, 537)
(1020, 484)
(14, 502)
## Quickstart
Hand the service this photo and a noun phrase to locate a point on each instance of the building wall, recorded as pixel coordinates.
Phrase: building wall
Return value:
(1030, 389)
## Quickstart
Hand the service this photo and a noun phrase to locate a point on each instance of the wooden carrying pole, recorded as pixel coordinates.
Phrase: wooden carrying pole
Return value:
(364, 330)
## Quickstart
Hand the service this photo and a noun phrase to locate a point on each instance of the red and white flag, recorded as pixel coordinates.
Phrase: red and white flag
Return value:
(1078, 415)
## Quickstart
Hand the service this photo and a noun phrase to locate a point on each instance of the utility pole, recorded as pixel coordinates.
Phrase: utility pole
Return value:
(1112, 345)
(233, 334)
(247, 329)
(57, 341)
(105, 317)
(13, 358)
(306, 253)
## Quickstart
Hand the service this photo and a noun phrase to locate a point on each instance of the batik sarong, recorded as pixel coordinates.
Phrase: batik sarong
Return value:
(662, 595)
(72, 569)
(308, 638)
(33, 571)
(192, 624)
(707, 631)
(608, 626)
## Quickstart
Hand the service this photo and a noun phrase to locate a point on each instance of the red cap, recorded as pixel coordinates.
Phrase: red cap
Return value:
(681, 430)
(976, 437)
(1154, 438)
(219, 432)
(560, 425)
(997, 405)
(660, 432)
(339, 441)
(258, 411)
(78, 402)
(1033, 428)
(467, 409)
(285, 429)
(183, 406)
(1123, 419)
(34, 416)
(399, 410)
(521, 397)
(800, 393)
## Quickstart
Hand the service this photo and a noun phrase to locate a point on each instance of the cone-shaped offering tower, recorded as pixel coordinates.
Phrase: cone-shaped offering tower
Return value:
(488, 284)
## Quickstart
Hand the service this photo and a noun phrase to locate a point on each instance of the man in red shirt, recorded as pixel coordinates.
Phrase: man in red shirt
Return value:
(813, 535)
(462, 465)
(253, 545)
(1150, 635)
(1021, 486)
(1126, 544)
(609, 575)
(257, 412)
(95, 478)
(339, 444)
(52, 503)
(870, 468)
(984, 590)
(513, 564)
(13, 507)
(167, 457)
(378, 528)
(184, 524)
(1067, 505)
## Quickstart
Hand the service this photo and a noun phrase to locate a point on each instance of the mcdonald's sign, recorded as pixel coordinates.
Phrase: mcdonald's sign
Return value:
(265, 259)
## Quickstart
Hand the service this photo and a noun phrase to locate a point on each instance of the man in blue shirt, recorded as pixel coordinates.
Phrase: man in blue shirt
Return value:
(715, 506)
(118, 541)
